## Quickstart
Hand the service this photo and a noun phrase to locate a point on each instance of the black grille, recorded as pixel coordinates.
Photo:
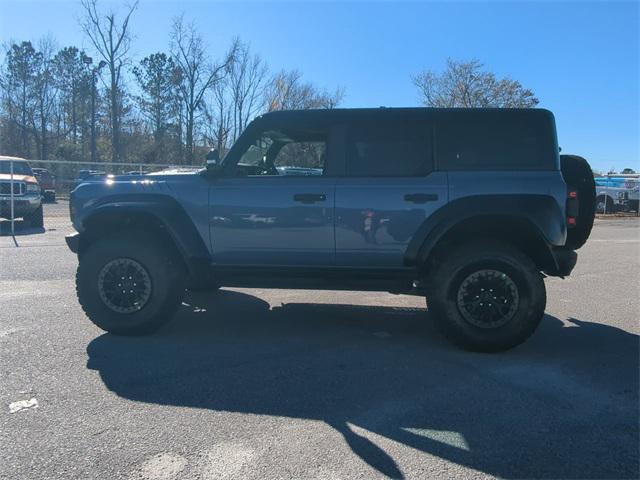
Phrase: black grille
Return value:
(5, 188)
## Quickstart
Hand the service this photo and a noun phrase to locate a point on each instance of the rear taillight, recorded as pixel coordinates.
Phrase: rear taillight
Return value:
(573, 208)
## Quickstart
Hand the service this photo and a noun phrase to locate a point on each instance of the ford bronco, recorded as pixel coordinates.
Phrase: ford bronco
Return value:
(471, 208)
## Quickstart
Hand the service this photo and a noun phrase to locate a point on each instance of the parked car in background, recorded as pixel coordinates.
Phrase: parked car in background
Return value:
(617, 192)
(27, 195)
(47, 183)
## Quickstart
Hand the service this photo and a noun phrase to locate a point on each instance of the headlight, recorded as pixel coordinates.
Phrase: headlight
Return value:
(33, 188)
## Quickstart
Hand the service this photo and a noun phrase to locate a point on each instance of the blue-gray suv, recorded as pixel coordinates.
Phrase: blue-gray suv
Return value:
(471, 208)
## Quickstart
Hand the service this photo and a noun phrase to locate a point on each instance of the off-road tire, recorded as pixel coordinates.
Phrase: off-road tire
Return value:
(36, 218)
(165, 271)
(451, 271)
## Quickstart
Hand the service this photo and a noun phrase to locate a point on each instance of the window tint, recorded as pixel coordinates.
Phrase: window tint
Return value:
(301, 158)
(389, 149)
(290, 153)
(496, 141)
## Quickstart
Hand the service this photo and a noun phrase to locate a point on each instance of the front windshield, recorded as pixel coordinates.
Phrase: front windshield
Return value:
(257, 152)
(290, 152)
(19, 168)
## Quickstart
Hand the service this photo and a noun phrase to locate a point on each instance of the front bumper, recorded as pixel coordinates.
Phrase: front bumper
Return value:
(22, 205)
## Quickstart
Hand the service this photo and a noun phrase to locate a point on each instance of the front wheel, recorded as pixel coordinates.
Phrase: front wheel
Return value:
(130, 284)
(487, 297)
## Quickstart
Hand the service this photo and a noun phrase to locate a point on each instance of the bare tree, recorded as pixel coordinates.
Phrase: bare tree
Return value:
(287, 91)
(247, 82)
(198, 75)
(45, 92)
(219, 117)
(466, 84)
(49, 106)
(112, 41)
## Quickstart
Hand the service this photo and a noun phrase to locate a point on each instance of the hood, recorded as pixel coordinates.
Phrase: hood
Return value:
(161, 182)
(154, 177)
(18, 178)
(176, 171)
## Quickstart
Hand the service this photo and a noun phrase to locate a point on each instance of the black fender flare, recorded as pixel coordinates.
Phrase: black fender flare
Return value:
(163, 209)
(540, 215)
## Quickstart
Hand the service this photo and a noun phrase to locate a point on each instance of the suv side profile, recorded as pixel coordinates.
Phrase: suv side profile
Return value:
(469, 207)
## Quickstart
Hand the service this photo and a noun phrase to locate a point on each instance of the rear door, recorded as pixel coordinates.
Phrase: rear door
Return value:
(389, 190)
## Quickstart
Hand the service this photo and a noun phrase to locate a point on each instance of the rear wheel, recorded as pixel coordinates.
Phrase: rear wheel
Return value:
(487, 297)
(130, 284)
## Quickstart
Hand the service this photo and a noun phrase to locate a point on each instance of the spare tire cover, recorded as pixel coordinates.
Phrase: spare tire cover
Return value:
(579, 177)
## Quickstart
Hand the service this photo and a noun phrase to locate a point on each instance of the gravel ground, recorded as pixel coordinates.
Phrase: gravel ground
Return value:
(262, 384)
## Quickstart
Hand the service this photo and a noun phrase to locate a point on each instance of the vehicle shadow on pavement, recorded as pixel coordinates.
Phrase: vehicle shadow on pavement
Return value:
(20, 227)
(563, 405)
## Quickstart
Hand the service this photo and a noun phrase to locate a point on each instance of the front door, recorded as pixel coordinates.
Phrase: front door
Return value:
(276, 206)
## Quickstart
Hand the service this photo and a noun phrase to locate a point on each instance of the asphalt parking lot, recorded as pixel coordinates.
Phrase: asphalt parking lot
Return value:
(261, 384)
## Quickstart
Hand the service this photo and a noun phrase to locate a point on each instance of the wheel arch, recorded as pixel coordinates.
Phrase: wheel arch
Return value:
(516, 231)
(160, 216)
(532, 223)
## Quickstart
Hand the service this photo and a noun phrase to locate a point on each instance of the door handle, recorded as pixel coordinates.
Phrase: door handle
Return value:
(309, 197)
(421, 197)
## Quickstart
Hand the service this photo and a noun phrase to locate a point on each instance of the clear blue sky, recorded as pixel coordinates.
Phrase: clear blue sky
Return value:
(580, 58)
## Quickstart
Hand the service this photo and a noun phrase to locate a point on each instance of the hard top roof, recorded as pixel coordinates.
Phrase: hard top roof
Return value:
(6, 158)
(346, 113)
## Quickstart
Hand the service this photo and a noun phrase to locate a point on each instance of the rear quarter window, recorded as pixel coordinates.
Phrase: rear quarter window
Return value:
(497, 140)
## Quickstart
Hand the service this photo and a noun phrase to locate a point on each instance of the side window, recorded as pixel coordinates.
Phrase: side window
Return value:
(496, 141)
(285, 153)
(389, 149)
(301, 158)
